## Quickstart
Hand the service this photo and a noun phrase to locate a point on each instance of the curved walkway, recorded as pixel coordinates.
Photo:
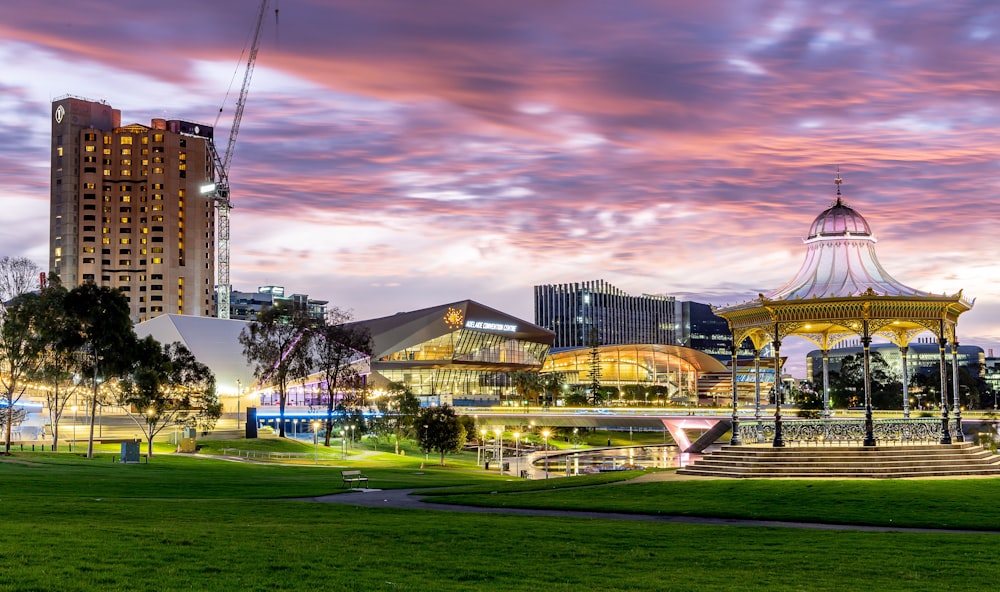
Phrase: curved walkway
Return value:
(405, 499)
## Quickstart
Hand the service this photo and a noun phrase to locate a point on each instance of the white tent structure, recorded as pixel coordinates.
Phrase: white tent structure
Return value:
(214, 342)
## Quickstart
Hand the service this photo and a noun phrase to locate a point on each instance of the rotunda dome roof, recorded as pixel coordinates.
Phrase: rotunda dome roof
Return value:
(839, 220)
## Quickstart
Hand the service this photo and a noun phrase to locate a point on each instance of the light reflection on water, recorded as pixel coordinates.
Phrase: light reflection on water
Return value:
(618, 459)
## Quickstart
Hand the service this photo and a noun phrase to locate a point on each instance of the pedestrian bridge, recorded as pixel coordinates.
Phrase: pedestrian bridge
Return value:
(704, 427)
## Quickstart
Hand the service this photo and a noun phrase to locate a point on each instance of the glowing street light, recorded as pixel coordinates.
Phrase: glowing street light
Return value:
(517, 455)
(295, 426)
(499, 434)
(545, 436)
(482, 447)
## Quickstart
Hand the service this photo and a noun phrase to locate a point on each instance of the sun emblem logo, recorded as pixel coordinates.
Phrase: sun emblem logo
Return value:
(453, 318)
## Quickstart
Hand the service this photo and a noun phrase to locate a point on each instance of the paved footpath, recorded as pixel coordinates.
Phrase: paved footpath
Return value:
(404, 499)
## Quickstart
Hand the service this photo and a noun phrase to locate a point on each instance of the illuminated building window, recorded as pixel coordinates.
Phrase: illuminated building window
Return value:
(88, 249)
(157, 137)
(86, 149)
(124, 278)
(126, 139)
(125, 220)
(125, 262)
(157, 260)
(125, 241)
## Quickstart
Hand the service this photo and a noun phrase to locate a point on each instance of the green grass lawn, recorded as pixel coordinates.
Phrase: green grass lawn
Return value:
(183, 523)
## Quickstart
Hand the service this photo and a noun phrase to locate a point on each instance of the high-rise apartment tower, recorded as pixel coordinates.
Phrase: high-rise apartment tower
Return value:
(126, 208)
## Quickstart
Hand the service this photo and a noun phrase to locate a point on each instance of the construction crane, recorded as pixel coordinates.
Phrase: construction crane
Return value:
(221, 187)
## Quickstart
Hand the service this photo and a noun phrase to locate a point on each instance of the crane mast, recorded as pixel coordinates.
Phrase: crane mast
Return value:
(222, 162)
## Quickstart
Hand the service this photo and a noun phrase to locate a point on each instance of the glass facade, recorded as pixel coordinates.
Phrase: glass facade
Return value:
(676, 368)
(464, 350)
(579, 312)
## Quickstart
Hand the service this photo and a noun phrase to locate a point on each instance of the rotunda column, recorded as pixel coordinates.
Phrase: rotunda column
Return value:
(756, 393)
(735, 440)
(866, 342)
(957, 406)
(942, 344)
(826, 382)
(903, 350)
(778, 442)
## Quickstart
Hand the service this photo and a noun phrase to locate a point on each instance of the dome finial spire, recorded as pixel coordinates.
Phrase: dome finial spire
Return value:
(838, 182)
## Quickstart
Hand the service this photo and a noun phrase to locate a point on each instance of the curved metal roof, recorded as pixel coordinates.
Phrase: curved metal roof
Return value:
(840, 261)
(654, 352)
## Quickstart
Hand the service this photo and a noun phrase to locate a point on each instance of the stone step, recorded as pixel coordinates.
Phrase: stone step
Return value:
(809, 475)
(960, 459)
(846, 460)
(845, 466)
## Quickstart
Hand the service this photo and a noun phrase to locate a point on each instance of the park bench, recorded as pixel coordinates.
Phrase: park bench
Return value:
(352, 477)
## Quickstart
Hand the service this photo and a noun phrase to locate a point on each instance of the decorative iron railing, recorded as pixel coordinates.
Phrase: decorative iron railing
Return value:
(840, 431)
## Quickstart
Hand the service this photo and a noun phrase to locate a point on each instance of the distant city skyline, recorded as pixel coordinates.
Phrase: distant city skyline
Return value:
(398, 155)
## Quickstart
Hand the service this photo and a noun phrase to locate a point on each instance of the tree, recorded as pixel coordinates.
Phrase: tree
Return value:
(167, 387)
(336, 349)
(18, 275)
(276, 345)
(808, 401)
(847, 387)
(552, 386)
(60, 362)
(971, 386)
(439, 430)
(527, 384)
(98, 326)
(399, 409)
(577, 397)
(20, 353)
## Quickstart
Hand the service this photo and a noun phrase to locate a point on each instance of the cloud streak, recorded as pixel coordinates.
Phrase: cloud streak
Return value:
(397, 154)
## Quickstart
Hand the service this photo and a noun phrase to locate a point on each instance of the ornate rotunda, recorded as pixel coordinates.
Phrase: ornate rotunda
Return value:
(843, 292)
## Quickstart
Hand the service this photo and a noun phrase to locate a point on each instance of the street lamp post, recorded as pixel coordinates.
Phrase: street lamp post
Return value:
(74, 428)
(517, 453)
(239, 394)
(545, 437)
(499, 434)
(482, 446)
(295, 428)
(352, 435)
(315, 425)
